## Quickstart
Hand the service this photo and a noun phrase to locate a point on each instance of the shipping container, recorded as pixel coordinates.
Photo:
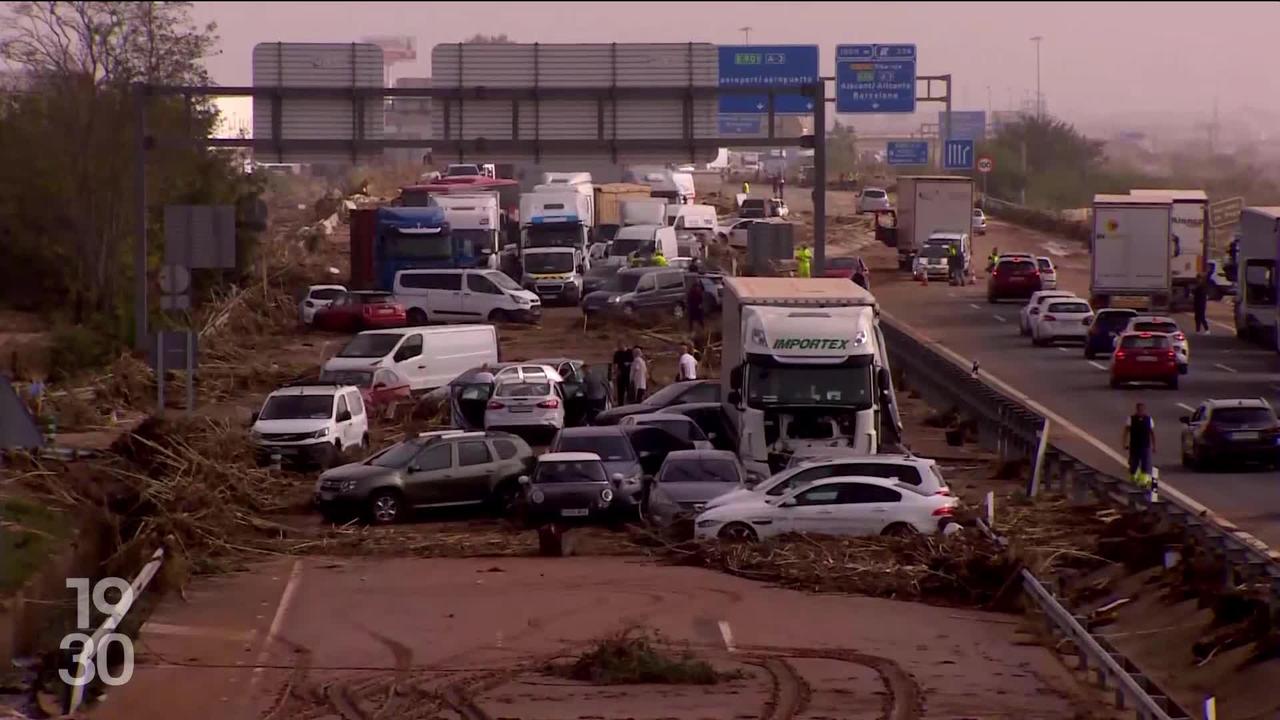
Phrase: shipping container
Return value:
(281, 64)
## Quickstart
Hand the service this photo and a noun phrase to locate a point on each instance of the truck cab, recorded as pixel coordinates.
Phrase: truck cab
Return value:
(386, 240)
(474, 224)
(555, 274)
(804, 367)
(555, 218)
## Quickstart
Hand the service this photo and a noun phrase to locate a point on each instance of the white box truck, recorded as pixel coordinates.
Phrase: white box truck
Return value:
(1130, 252)
(1190, 220)
(555, 228)
(928, 205)
(1257, 253)
(474, 225)
(803, 365)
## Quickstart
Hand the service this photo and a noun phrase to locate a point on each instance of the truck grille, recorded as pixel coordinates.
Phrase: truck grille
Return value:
(286, 437)
(550, 288)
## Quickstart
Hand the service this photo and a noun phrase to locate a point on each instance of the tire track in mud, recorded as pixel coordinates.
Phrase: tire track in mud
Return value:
(789, 695)
(904, 699)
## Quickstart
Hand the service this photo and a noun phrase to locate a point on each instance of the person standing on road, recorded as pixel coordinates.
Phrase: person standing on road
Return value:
(1200, 300)
(1140, 441)
(804, 256)
(746, 188)
(955, 265)
(991, 259)
(622, 373)
(639, 375)
(597, 392)
(693, 302)
(687, 365)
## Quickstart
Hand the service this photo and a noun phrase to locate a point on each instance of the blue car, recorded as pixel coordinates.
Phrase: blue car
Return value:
(1107, 325)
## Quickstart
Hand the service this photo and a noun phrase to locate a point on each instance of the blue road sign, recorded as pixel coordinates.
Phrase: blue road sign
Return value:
(965, 124)
(914, 152)
(875, 78)
(780, 66)
(741, 124)
(957, 155)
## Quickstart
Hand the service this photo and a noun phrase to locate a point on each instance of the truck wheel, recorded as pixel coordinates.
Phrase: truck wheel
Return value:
(416, 317)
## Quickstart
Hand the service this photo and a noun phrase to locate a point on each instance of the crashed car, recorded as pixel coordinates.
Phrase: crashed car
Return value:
(688, 480)
(566, 487)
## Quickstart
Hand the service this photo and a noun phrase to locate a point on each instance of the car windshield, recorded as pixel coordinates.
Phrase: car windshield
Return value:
(1073, 307)
(1114, 319)
(628, 245)
(372, 345)
(848, 387)
(396, 456)
(522, 389)
(359, 378)
(297, 407)
(1044, 265)
(326, 293)
(683, 429)
(977, 213)
(933, 251)
(1243, 416)
(722, 471)
(548, 262)
(873, 194)
(1160, 327)
(1139, 342)
(569, 472)
(841, 262)
(1013, 267)
(461, 170)
(610, 448)
(502, 281)
(622, 282)
(665, 396)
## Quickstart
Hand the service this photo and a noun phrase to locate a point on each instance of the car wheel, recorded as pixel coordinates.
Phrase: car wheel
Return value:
(364, 444)
(1189, 460)
(498, 316)
(416, 317)
(333, 456)
(898, 529)
(385, 507)
(738, 532)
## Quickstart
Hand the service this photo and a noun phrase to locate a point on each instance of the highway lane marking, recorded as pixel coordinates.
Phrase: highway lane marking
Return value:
(1001, 318)
(1097, 364)
(159, 628)
(1062, 349)
(1188, 408)
(1222, 325)
(1228, 368)
(282, 609)
(1071, 427)
(975, 306)
(726, 634)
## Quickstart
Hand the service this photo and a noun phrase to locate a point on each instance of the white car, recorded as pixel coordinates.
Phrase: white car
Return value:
(1163, 324)
(1061, 319)
(317, 297)
(873, 199)
(1033, 307)
(920, 475)
(979, 222)
(836, 506)
(735, 233)
(311, 424)
(681, 426)
(533, 402)
(1048, 273)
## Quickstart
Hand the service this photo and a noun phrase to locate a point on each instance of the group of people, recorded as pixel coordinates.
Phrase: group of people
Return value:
(629, 372)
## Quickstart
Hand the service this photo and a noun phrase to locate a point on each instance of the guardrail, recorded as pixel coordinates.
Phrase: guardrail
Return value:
(1009, 427)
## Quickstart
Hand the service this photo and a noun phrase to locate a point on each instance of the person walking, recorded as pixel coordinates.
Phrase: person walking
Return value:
(1200, 301)
(693, 301)
(992, 258)
(621, 371)
(804, 257)
(1140, 441)
(597, 392)
(955, 265)
(639, 375)
(687, 365)
(746, 188)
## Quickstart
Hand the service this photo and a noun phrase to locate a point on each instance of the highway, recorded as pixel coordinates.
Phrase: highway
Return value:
(1076, 389)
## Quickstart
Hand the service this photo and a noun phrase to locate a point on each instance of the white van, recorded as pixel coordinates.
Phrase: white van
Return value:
(644, 239)
(427, 358)
(464, 295)
(697, 220)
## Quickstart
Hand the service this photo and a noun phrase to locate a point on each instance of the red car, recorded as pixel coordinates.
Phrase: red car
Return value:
(381, 389)
(1013, 279)
(1146, 358)
(358, 310)
(840, 266)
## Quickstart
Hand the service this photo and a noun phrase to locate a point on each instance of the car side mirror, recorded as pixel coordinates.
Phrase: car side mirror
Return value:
(523, 480)
(253, 419)
(883, 380)
(734, 398)
(414, 468)
(344, 416)
(1185, 419)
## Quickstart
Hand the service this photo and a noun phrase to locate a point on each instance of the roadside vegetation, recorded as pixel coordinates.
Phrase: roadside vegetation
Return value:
(634, 657)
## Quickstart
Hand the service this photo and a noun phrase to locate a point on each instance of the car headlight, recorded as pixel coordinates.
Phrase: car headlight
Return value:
(707, 523)
(255, 436)
(322, 432)
(606, 495)
(615, 298)
(347, 485)
(536, 496)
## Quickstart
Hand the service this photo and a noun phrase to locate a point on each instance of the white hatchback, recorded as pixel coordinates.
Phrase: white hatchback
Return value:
(849, 506)
(318, 297)
(1048, 273)
(1032, 309)
(1062, 319)
(525, 402)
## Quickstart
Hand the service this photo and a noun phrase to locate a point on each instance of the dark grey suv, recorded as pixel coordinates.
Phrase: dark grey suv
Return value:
(448, 468)
(640, 291)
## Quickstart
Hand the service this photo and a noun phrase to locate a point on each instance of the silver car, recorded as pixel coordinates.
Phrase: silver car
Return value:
(873, 199)
(979, 222)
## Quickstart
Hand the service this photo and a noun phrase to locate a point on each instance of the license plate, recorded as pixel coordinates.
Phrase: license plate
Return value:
(521, 410)
(574, 512)
(1245, 436)
(1146, 358)
(326, 495)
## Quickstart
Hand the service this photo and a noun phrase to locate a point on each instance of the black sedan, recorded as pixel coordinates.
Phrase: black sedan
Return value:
(692, 391)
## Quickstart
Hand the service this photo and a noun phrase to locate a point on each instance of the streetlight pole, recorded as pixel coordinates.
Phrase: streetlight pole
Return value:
(746, 34)
(1039, 97)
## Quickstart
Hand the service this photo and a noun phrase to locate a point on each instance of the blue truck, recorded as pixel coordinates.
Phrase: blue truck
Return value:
(388, 239)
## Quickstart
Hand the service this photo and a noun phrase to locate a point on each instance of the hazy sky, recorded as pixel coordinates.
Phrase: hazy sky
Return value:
(1097, 59)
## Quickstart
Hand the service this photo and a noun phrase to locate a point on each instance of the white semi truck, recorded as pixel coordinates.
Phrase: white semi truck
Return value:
(804, 365)
(929, 204)
(1257, 315)
(475, 224)
(1190, 238)
(555, 227)
(1130, 252)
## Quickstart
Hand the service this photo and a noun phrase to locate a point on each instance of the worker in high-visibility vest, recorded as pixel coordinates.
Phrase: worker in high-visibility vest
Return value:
(804, 257)
(1140, 440)
(659, 259)
(992, 258)
(746, 188)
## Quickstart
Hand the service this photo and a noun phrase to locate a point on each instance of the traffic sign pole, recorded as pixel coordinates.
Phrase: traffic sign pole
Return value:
(820, 179)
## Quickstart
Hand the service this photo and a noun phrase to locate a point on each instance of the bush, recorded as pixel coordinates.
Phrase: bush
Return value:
(74, 349)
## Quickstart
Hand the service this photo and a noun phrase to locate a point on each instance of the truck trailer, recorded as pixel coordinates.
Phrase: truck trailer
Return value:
(1132, 241)
(803, 366)
(928, 205)
(1257, 254)
(1190, 237)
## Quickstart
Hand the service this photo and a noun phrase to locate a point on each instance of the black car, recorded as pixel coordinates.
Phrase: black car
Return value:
(566, 487)
(653, 444)
(648, 291)
(1106, 327)
(711, 418)
(599, 277)
(614, 449)
(1222, 431)
(437, 469)
(691, 391)
(687, 481)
